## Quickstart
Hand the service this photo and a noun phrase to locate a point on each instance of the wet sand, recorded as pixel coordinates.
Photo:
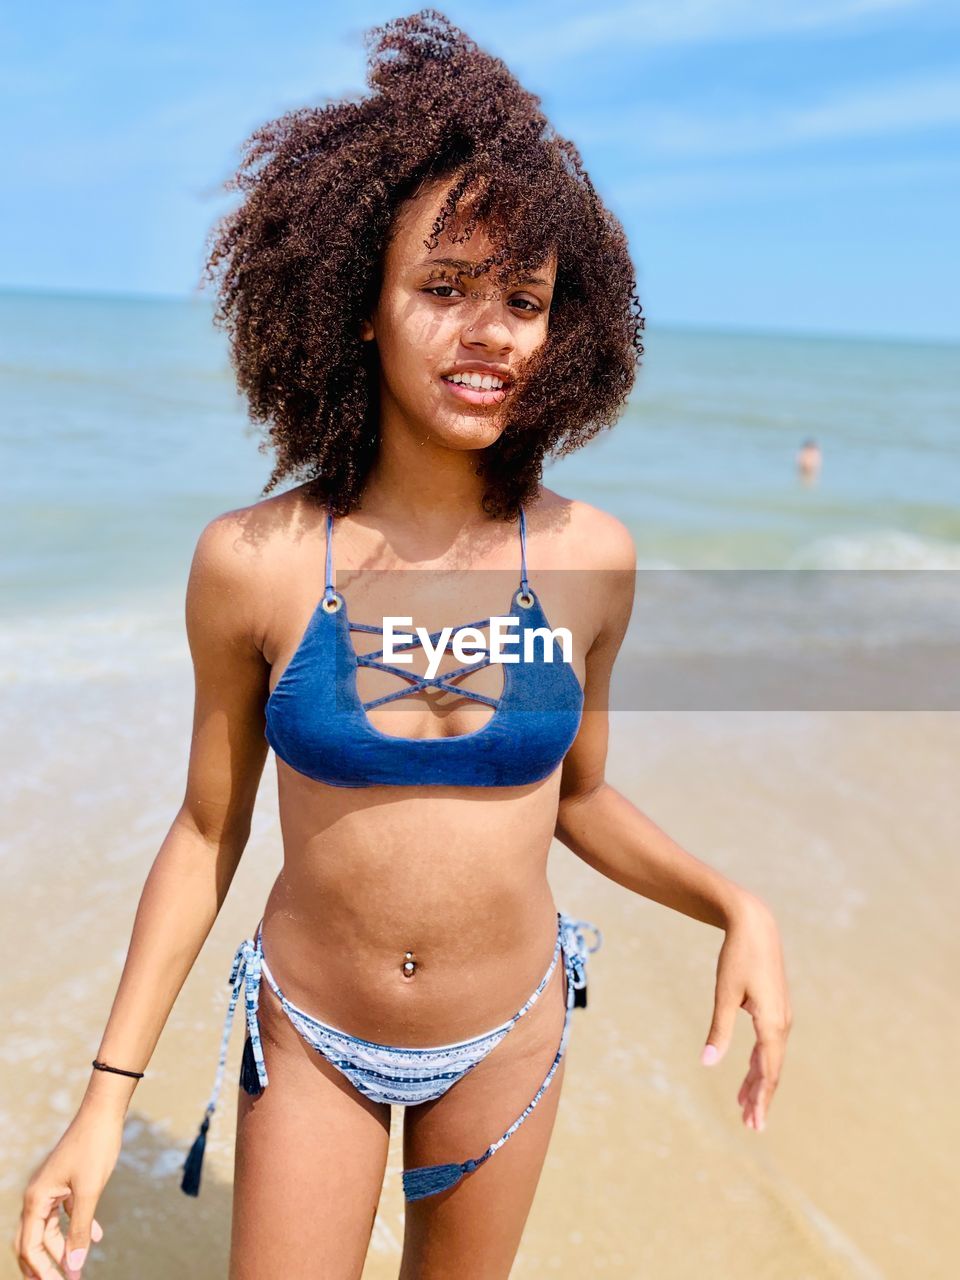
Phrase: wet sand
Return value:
(845, 822)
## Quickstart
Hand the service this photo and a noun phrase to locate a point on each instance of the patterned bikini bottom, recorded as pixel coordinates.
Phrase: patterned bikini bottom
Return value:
(390, 1073)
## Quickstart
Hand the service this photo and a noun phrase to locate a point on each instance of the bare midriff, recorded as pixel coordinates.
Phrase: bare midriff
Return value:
(454, 875)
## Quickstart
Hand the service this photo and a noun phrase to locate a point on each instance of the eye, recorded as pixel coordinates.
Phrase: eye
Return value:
(527, 305)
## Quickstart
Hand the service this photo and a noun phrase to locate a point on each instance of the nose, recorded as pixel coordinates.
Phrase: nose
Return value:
(488, 327)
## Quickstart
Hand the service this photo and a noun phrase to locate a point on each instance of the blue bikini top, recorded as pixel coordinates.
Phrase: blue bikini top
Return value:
(317, 724)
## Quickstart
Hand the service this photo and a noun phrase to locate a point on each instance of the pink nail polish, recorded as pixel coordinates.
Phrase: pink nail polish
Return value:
(709, 1055)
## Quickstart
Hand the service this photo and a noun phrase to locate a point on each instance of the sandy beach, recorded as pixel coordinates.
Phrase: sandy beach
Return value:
(846, 823)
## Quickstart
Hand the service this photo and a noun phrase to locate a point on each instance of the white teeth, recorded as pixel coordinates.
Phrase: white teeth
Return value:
(481, 382)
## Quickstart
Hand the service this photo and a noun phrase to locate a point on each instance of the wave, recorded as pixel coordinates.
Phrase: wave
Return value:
(876, 549)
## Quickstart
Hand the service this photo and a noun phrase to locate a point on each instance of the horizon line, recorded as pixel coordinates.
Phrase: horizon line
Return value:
(679, 326)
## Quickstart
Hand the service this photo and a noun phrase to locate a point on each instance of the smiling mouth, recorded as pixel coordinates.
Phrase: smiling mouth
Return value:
(493, 393)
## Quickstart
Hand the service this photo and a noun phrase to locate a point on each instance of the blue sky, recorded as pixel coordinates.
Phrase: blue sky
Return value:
(776, 165)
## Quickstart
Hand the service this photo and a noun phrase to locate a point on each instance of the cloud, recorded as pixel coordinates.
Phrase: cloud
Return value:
(906, 105)
(651, 23)
(704, 187)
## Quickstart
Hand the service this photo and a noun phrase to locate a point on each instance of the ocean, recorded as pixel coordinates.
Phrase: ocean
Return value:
(123, 434)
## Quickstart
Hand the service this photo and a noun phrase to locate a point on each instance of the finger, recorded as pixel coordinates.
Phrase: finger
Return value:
(751, 1082)
(40, 1263)
(750, 1077)
(721, 1029)
(773, 1050)
(769, 1052)
(53, 1237)
(24, 1267)
(39, 1206)
(81, 1206)
(26, 1270)
(17, 1237)
(96, 1231)
(748, 1089)
(15, 1244)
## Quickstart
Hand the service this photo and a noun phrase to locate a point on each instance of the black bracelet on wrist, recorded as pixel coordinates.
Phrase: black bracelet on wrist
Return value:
(102, 1066)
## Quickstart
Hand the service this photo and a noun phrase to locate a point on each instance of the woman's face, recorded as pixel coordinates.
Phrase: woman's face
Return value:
(435, 324)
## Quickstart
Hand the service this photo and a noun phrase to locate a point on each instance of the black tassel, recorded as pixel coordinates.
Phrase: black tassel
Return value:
(194, 1161)
(431, 1179)
(580, 997)
(249, 1080)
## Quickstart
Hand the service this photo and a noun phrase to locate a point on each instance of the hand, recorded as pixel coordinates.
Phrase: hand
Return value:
(750, 975)
(74, 1173)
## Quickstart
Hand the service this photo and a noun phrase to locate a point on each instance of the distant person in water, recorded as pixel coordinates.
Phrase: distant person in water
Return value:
(809, 459)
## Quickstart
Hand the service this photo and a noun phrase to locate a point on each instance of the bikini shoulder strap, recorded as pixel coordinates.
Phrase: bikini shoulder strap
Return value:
(524, 584)
(328, 591)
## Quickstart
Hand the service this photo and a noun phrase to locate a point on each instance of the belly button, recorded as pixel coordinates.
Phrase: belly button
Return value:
(409, 965)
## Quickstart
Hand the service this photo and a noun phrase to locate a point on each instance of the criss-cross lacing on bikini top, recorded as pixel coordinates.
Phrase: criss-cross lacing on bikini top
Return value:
(318, 725)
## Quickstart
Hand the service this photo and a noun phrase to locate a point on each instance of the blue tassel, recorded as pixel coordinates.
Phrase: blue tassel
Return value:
(433, 1178)
(194, 1161)
(580, 997)
(249, 1079)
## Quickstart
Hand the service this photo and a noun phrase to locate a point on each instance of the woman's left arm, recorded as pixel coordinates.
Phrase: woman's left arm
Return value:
(601, 826)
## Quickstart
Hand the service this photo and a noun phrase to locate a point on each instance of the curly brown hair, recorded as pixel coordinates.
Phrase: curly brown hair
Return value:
(299, 263)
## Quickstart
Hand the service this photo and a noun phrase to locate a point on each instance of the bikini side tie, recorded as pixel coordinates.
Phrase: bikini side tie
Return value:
(429, 1180)
(244, 976)
(575, 946)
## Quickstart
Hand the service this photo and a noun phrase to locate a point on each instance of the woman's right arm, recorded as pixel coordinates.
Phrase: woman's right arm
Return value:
(184, 890)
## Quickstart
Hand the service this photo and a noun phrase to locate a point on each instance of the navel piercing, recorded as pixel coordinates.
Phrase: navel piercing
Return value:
(409, 964)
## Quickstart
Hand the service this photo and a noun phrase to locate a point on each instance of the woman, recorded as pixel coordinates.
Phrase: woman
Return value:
(425, 297)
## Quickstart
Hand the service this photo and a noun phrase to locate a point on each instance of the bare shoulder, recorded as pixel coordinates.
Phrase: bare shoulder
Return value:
(583, 536)
(262, 536)
(239, 556)
(600, 550)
